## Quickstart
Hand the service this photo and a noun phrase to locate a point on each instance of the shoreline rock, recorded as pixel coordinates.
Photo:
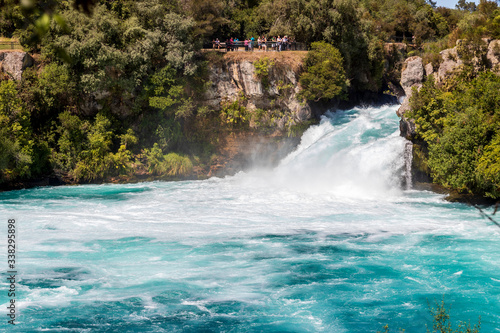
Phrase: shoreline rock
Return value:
(412, 75)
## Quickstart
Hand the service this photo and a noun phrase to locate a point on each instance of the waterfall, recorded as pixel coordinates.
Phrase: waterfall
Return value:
(408, 162)
(355, 153)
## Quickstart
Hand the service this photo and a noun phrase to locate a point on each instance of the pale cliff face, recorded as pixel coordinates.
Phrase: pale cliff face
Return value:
(237, 79)
(14, 63)
(411, 76)
(414, 74)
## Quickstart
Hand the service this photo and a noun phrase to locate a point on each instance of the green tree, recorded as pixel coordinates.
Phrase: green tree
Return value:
(166, 90)
(324, 76)
(441, 321)
(455, 155)
(16, 147)
(488, 168)
(46, 93)
(209, 16)
(461, 131)
(466, 6)
(72, 133)
(85, 149)
(494, 24)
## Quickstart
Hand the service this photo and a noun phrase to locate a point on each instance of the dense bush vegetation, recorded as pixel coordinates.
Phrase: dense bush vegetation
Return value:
(16, 140)
(357, 28)
(110, 85)
(458, 119)
(324, 75)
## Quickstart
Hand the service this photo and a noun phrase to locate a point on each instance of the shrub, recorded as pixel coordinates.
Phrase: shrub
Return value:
(85, 150)
(234, 113)
(262, 68)
(441, 322)
(16, 141)
(171, 164)
(488, 168)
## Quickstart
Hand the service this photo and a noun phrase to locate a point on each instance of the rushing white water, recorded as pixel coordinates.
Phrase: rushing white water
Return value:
(327, 241)
(345, 156)
(408, 165)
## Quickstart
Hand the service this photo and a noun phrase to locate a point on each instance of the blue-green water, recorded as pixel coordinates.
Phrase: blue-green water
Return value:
(325, 242)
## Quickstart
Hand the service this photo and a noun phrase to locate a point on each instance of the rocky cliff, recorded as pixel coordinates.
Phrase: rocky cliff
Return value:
(13, 63)
(414, 73)
(264, 84)
(266, 81)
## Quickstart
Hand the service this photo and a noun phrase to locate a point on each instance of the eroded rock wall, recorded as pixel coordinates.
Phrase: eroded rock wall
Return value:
(236, 79)
(493, 55)
(14, 63)
(414, 73)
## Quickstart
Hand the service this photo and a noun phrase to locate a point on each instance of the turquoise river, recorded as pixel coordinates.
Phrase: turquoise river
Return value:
(328, 241)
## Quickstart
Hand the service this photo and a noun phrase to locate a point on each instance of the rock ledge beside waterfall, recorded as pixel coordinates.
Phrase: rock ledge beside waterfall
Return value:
(414, 73)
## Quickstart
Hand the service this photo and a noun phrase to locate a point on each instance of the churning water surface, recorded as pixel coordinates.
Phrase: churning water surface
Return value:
(328, 241)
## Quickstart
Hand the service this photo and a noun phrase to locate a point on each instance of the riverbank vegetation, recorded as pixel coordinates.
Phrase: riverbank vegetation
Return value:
(458, 120)
(461, 132)
(118, 85)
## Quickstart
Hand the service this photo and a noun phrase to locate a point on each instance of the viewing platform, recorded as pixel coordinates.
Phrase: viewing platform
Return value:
(253, 46)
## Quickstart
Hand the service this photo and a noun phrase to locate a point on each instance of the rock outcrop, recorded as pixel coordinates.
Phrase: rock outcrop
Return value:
(450, 62)
(413, 75)
(391, 47)
(493, 55)
(14, 63)
(246, 150)
(429, 69)
(235, 78)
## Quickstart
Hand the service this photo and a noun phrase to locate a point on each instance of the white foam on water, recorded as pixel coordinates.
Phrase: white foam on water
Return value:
(338, 160)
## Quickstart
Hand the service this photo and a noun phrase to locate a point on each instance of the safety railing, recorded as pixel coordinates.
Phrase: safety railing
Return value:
(255, 46)
(10, 45)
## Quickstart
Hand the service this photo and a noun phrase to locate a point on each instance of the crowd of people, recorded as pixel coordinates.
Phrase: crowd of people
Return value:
(262, 43)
